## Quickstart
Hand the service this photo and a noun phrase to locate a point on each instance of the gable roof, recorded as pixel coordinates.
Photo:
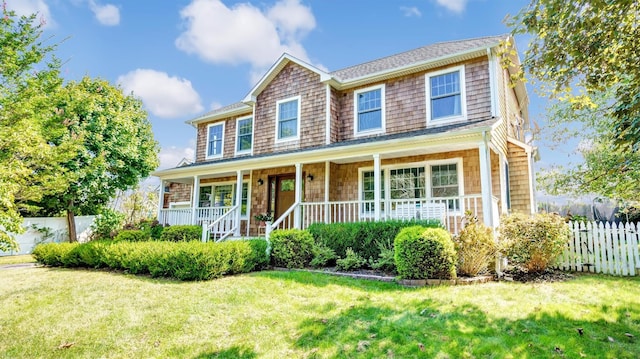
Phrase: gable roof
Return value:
(237, 108)
(275, 70)
(429, 56)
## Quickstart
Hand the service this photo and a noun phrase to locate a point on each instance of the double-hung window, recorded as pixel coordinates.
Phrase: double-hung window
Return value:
(368, 191)
(446, 99)
(445, 183)
(287, 119)
(369, 110)
(244, 135)
(223, 195)
(407, 183)
(215, 140)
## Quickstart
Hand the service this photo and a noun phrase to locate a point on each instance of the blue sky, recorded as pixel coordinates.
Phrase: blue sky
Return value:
(186, 57)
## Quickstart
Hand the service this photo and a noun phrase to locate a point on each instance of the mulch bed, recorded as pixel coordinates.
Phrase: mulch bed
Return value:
(547, 276)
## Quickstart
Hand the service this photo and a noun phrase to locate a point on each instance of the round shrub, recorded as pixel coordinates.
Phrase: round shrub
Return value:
(291, 248)
(475, 247)
(533, 242)
(423, 253)
(132, 235)
(181, 233)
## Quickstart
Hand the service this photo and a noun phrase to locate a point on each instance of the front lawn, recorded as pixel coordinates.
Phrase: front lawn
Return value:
(17, 259)
(86, 313)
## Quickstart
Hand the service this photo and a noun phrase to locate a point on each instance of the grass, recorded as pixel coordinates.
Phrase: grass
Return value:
(17, 259)
(84, 314)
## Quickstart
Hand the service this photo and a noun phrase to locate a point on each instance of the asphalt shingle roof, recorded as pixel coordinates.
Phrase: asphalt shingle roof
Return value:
(421, 54)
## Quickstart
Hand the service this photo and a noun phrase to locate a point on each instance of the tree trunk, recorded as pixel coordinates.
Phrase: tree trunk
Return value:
(71, 224)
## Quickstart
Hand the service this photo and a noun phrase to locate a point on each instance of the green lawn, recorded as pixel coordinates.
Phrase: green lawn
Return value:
(23, 258)
(87, 314)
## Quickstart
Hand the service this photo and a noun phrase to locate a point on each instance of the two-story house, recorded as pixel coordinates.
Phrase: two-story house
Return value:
(427, 133)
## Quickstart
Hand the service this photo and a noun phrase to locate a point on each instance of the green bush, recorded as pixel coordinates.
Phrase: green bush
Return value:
(423, 253)
(475, 247)
(55, 254)
(362, 237)
(291, 248)
(132, 235)
(181, 233)
(322, 256)
(386, 259)
(106, 224)
(533, 242)
(152, 228)
(182, 260)
(351, 261)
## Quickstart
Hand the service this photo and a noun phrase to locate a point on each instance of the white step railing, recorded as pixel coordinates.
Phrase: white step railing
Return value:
(222, 227)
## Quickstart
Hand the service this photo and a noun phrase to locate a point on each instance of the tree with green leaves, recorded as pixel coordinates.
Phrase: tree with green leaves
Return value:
(585, 55)
(583, 47)
(29, 76)
(117, 148)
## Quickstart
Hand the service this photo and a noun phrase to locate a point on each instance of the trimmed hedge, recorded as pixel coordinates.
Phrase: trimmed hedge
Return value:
(424, 253)
(181, 233)
(365, 238)
(291, 248)
(132, 235)
(183, 260)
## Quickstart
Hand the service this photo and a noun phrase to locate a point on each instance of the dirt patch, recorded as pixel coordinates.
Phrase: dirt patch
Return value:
(549, 275)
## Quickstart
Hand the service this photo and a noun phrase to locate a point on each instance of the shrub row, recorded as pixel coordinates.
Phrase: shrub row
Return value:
(183, 261)
(368, 239)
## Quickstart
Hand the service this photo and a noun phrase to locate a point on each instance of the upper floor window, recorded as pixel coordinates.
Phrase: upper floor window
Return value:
(244, 135)
(287, 116)
(369, 110)
(215, 140)
(446, 99)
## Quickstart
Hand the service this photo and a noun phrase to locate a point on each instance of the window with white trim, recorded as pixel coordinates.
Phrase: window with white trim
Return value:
(407, 183)
(445, 183)
(369, 110)
(446, 99)
(244, 135)
(287, 115)
(223, 195)
(368, 191)
(215, 140)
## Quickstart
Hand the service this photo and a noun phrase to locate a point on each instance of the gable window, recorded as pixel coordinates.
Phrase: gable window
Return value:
(369, 110)
(215, 140)
(244, 135)
(287, 116)
(446, 99)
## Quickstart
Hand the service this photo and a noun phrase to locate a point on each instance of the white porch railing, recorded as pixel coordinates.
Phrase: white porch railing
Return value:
(174, 217)
(224, 226)
(210, 214)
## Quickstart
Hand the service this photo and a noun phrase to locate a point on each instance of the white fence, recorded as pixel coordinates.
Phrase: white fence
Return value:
(49, 229)
(602, 248)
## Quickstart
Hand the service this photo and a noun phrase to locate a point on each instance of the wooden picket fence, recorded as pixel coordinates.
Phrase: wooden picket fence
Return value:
(608, 248)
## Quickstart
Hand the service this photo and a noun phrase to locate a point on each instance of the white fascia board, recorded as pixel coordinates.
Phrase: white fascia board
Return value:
(327, 154)
(220, 115)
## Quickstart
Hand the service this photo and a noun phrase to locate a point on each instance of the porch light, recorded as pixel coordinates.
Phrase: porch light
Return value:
(260, 182)
(310, 177)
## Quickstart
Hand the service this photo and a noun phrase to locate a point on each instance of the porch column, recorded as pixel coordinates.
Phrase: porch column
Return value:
(327, 168)
(160, 200)
(236, 232)
(194, 199)
(485, 184)
(297, 215)
(376, 187)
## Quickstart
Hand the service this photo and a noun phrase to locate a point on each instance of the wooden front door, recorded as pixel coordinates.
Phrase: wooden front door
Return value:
(284, 193)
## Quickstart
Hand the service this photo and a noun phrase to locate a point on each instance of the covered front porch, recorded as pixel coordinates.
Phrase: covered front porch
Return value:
(412, 181)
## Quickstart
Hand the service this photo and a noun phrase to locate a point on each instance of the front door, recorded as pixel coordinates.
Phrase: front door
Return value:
(284, 194)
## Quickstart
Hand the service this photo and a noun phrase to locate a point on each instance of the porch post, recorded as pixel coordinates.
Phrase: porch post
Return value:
(376, 187)
(327, 176)
(236, 232)
(297, 218)
(485, 184)
(160, 200)
(194, 199)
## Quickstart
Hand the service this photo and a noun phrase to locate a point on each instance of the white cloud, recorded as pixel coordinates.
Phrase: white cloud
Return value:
(410, 11)
(170, 156)
(456, 6)
(28, 7)
(108, 14)
(163, 95)
(215, 105)
(244, 33)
